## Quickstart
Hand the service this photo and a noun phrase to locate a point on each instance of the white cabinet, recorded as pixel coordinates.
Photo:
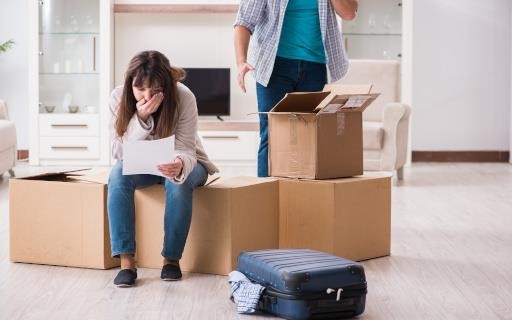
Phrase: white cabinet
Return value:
(70, 74)
(234, 152)
(69, 137)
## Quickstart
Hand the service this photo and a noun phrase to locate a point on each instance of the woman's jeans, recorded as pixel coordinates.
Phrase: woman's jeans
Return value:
(178, 209)
(288, 75)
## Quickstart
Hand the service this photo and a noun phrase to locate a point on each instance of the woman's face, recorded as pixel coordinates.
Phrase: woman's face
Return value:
(145, 91)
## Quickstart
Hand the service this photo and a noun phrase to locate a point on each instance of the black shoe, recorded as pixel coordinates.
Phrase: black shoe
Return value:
(171, 272)
(126, 278)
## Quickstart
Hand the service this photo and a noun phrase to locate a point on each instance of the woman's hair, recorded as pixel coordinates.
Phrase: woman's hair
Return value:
(151, 69)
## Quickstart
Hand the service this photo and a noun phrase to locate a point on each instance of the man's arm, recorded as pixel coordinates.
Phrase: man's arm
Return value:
(346, 9)
(242, 37)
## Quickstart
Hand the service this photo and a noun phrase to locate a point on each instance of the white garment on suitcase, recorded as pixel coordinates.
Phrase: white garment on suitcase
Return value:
(245, 293)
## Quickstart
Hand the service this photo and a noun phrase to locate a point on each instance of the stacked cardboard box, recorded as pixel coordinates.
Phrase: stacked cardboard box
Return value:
(318, 136)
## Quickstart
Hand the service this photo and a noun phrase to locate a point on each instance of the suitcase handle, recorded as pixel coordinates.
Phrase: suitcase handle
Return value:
(270, 295)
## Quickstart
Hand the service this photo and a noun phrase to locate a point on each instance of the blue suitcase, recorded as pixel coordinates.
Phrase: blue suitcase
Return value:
(306, 284)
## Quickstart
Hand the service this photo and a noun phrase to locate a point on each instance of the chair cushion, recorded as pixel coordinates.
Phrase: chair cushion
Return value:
(373, 135)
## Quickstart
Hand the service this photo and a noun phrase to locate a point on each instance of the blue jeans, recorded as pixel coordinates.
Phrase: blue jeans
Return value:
(288, 75)
(178, 209)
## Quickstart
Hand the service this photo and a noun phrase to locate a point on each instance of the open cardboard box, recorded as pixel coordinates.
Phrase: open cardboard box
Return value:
(319, 135)
(61, 219)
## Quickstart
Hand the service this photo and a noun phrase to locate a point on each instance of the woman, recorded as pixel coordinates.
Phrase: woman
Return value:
(293, 44)
(153, 104)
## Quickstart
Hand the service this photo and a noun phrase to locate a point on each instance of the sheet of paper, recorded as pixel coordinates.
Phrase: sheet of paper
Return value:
(143, 156)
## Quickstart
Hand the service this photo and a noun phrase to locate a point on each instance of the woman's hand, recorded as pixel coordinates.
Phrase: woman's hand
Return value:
(146, 108)
(171, 170)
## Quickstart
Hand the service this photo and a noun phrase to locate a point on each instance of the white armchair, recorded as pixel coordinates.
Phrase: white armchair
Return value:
(385, 121)
(7, 142)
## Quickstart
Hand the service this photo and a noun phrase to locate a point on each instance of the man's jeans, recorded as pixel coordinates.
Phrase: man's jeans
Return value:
(178, 209)
(289, 75)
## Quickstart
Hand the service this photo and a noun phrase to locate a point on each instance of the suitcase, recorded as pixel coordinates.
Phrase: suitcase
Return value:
(306, 284)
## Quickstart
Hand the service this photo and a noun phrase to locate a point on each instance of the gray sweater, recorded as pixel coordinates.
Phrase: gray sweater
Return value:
(188, 146)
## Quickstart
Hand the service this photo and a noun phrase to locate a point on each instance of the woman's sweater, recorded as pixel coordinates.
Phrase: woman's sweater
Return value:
(188, 146)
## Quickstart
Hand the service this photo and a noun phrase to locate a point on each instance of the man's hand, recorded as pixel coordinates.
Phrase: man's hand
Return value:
(346, 9)
(171, 170)
(243, 68)
(146, 108)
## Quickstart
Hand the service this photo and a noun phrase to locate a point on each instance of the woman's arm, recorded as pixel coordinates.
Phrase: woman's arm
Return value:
(346, 9)
(185, 133)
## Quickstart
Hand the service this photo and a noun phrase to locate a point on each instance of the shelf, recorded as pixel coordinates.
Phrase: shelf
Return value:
(67, 73)
(175, 8)
(70, 33)
(228, 125)
(373, 34)
(60, 113)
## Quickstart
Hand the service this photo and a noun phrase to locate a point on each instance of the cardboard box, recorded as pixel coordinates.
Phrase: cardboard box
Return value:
(60, 219)
(229, 216)
(348, 217)
(318, 135)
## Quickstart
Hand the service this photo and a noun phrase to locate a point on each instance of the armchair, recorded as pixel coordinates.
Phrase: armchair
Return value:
(7, 142)
(386, 120)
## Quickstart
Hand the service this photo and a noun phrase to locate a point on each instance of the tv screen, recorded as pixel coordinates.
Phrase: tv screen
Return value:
(211, 86)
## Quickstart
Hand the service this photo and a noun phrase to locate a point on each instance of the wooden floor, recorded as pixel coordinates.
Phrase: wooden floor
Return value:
(451, 259)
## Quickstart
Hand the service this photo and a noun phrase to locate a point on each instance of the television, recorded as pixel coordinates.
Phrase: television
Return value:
(211, 86)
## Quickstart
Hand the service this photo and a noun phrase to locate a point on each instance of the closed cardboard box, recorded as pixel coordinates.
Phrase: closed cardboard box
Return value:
(318, 135)
(348, 217)
(229, 216)
(60, 219)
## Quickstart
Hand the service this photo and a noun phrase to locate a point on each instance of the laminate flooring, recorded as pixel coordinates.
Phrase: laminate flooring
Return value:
(451, 259)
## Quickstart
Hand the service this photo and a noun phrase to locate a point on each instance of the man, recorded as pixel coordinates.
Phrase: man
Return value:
(294, 43)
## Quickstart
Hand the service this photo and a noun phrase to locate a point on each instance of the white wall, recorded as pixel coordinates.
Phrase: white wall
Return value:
(13, 66)
(461, 80)
(188, 40)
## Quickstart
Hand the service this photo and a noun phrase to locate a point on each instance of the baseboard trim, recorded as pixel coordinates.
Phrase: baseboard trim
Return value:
(22, 154)
(421, 156)
(460, 156)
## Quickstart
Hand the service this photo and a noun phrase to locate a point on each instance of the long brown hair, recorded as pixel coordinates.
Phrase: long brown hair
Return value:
(153, 69)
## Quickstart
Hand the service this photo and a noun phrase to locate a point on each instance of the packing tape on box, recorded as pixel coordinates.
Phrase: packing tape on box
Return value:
(340, 123)
(294, 164)
(293, 120)
(293, 128)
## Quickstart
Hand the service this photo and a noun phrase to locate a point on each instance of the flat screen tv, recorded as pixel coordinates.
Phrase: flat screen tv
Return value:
(211, 86)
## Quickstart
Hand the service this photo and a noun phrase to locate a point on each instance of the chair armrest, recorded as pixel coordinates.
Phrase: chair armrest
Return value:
(392, 113)
(3, 110)
(394, 147)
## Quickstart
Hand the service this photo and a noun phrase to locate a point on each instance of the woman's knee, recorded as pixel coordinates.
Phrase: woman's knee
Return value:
(116, 176)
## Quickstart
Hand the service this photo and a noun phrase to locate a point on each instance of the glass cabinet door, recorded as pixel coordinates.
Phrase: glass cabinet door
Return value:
(376, 32)
(68, 56)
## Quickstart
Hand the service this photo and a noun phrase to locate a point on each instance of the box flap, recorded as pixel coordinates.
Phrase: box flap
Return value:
(346, 103)
(238, 182)
(101, 177)
(300, 102)
(53, 175)
(339, 88)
